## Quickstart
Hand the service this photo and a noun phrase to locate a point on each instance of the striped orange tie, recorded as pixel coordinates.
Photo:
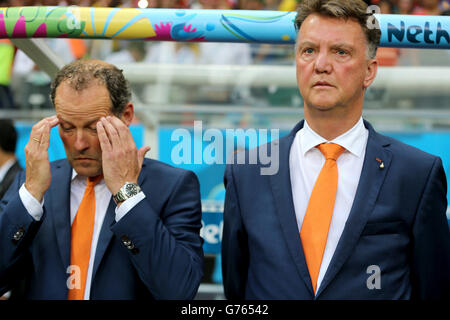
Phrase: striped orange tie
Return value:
(81, 238)
(314, 231)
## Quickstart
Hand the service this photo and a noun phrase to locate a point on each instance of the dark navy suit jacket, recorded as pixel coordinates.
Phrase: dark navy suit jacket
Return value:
(397, 223)
(163, 261)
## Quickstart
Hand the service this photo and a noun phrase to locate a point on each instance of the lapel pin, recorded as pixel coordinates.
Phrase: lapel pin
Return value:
(381, 163)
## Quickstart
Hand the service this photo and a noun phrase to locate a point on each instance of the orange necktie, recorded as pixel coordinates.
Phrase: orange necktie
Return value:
(81, 237)
(314, 231)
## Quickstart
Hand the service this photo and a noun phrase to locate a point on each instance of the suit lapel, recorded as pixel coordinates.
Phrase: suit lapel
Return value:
(282, 193)
(58, 199)
(106, 234)
(370, 183)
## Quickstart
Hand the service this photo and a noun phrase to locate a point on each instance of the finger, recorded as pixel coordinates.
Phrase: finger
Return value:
(46, 131)
(112, 133)
(45, 137)
(105, 144)
(53, 121)
(32, 149)
(41, 123)
(35, 137)
(51, 118)
(122, 129)
(125, 135)
(38, 129)
(141, 154)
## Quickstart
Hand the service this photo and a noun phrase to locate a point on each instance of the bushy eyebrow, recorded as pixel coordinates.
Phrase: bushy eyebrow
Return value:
(343, 45)
(306, 44)
(339, 45)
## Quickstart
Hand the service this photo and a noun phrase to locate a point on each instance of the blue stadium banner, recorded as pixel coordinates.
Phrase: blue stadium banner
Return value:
(194, 25)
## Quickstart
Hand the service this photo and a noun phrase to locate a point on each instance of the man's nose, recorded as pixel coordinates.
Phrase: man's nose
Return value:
(323, 62)
(80, 141)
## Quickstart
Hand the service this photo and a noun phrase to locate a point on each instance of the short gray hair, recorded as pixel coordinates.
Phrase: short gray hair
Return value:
(341, 9)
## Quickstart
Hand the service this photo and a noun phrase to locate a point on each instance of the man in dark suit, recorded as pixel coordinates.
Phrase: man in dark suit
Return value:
(105, 223)
(350, 214)
(9, 166)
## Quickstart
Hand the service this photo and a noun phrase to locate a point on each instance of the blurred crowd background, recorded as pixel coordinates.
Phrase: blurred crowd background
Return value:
(23, 86)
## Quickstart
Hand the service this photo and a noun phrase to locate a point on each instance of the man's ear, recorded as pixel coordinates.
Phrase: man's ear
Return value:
(128, 114)
(372, 68)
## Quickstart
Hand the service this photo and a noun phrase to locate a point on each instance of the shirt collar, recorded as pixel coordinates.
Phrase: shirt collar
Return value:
(352, 140)
(82, 179)
(74, 174)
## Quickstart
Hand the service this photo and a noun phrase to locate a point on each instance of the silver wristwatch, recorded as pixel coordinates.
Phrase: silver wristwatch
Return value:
(128, 190)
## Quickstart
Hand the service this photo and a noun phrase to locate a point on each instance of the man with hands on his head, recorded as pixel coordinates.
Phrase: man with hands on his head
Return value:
(105, 223)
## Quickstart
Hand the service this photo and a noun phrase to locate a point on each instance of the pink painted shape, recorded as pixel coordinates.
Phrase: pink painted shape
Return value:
(187, 28)
(20, 30)
(41, 31)
(162, 31)
(3, 33)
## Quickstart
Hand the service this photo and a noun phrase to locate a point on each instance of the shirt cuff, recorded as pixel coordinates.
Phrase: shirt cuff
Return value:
(34, 208)
(128, 204)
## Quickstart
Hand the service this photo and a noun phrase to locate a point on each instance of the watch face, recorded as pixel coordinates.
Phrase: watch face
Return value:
(127, 191)
(131, 189)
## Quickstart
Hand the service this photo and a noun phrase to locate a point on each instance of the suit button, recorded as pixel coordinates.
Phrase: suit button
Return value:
(19, 234)
(126, 241)
(129, 244)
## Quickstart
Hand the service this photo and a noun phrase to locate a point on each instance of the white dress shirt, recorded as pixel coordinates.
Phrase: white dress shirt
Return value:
(102, 199)
(305, 164)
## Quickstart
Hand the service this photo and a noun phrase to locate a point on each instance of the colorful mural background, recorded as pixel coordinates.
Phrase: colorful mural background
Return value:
(262, 26)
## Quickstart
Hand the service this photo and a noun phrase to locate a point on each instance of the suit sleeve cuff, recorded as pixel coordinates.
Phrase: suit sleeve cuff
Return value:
(127, 205)
(34, 208)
